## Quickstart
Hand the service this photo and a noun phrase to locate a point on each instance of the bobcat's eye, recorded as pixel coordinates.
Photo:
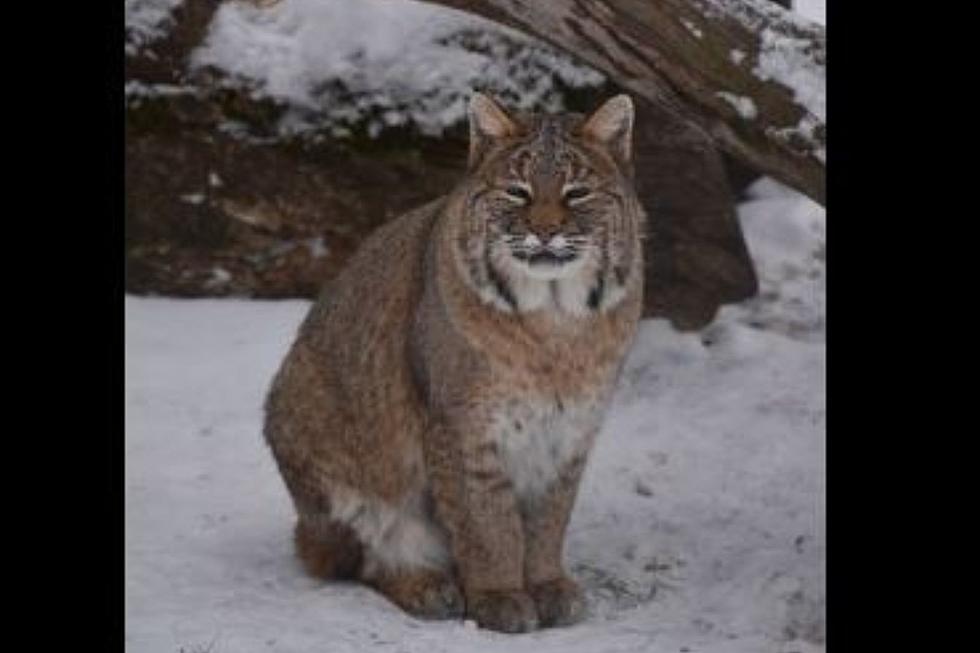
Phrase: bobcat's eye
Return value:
(519, 193)
(574, 193)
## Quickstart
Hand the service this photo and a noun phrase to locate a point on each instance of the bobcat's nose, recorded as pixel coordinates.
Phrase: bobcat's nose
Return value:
(545, 231)
(545, 219)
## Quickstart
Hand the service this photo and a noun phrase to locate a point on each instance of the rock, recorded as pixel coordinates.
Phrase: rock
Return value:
(219, 202)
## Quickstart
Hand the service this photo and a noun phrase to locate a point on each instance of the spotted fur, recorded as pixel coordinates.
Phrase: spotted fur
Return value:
(435, 412)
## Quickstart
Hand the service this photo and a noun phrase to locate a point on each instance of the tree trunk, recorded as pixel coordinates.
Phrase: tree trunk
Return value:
(746, 72)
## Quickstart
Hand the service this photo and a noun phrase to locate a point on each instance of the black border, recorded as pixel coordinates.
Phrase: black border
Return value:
(67, 313)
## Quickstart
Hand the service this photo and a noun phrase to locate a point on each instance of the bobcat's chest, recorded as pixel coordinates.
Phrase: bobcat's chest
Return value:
(537, 438)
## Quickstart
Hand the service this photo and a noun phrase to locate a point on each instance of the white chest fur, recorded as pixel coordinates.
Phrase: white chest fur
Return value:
(536, 439)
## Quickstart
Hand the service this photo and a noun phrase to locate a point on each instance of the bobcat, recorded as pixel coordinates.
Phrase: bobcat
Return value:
(434, 414)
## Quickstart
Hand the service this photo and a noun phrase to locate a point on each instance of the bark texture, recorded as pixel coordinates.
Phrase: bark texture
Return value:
(699, 61)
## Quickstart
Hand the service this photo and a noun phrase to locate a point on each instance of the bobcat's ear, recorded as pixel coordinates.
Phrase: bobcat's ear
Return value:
(612, 125)
(487, 122)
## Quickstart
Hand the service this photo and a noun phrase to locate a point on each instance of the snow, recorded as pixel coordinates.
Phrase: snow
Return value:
(317, 246)
(219, 276)
(787, 60)
(383, 62)
(146, 20)
(815, 10)
(792, 52)
(791, 49)
(755, 14)
(786, 235)
(699, 525)
(193, 198)
(692, 28)
(742, 104)
(346, 65)
(137, 89)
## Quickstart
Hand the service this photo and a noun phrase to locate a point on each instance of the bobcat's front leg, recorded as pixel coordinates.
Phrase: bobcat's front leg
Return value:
(475, 502)
(558, 599)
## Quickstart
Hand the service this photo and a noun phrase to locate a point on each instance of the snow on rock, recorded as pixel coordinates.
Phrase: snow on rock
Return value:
(755, 14)
(791, 47)
(742, 104)
(699, 525)
(383, 62)
(786, 59)
(692, 28)
(792, 52)
(136, 90)
(146, 20)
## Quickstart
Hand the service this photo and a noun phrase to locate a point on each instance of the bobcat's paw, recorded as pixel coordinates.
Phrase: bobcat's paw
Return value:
(424, 594)
(440, 600)
(559, 602)
(504, 611)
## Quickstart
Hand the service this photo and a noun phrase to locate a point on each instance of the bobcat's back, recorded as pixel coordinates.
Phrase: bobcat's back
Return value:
(344, 396)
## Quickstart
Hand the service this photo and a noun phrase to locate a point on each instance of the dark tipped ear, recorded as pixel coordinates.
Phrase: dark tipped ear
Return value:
(487, 122)
(612, 125)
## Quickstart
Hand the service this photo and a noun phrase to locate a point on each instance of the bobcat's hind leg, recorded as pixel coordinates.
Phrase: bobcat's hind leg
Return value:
(405, 554)
(328, 549)
(406, 559)
(422, 592)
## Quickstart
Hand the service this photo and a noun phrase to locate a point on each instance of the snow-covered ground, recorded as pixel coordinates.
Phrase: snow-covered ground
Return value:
(699, 527)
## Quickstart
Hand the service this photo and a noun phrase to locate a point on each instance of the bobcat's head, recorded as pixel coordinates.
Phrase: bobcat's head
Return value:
(549, 206)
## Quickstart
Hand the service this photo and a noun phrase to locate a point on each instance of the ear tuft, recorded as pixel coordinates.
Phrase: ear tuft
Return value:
(612, 125)
(487, 122)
